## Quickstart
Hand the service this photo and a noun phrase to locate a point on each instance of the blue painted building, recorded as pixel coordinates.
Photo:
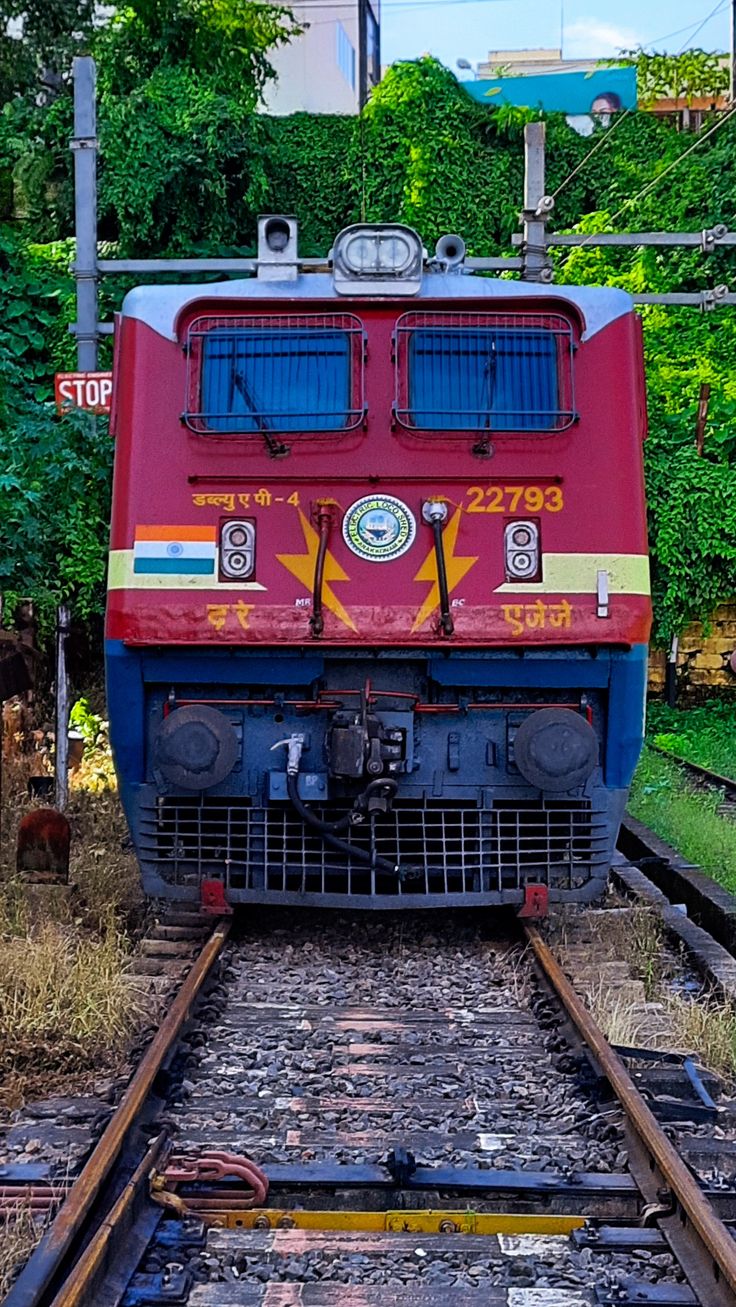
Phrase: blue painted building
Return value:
(578, 92)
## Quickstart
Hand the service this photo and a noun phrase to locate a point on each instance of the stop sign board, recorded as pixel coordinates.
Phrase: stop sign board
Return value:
(88, 390)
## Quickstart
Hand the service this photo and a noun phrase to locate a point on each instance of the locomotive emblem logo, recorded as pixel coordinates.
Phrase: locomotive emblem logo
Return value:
(379, 528)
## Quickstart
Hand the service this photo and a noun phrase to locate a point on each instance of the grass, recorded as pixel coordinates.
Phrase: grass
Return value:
(18, 1238)
(663, 1016)
(636, 936)
(705, 735)
(663, 799)
(68, 1005)
(706, 1028)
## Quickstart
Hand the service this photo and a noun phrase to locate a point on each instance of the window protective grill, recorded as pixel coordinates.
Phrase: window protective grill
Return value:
(484, 373)
(253, 376)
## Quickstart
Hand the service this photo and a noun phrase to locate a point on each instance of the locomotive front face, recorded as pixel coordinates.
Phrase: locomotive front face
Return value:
(378, 590)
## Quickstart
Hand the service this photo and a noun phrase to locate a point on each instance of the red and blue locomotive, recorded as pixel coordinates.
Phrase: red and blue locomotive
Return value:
(378, 592)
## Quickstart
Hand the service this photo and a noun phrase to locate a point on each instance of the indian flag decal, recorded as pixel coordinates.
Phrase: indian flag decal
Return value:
(175, 550)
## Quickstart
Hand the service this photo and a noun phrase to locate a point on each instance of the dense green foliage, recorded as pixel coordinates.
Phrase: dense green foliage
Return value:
(687, 818)
(691, 75)
(187, 165)
(704, 735)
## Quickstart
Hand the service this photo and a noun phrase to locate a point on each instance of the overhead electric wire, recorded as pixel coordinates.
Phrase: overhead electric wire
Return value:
(654, 183)
(602, 140)
(679, 30)
(721, 5)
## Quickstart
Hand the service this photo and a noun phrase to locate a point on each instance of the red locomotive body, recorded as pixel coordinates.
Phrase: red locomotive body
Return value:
(401, 478)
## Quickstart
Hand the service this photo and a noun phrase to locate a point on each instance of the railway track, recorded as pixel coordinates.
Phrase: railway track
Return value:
(702, 775)
(438, 1120)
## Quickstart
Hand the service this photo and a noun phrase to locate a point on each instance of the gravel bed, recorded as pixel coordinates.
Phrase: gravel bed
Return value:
(471, 1261)
(337, 1037)
(328, 1042)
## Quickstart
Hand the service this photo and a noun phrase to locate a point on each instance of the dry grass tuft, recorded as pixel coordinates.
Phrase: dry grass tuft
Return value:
(18, 1238)
(620, 1021)
(591, 942)
(67, 1004)
(705, 1030)
(103, 868)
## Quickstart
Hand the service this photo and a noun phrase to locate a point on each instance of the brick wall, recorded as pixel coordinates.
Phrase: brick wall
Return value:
(703, 659)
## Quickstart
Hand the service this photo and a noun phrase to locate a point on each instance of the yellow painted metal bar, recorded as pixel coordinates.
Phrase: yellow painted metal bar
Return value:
(399, 1222)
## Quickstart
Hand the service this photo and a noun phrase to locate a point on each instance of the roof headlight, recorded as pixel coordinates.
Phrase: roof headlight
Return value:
(378, 259)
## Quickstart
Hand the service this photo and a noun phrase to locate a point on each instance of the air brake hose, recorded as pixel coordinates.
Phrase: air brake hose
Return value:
(326, 831)
(324, 522)
(434, 513)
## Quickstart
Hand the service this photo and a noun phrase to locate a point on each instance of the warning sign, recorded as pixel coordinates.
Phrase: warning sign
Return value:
(88, 390)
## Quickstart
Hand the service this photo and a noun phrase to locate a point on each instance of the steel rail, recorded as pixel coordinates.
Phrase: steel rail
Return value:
(45, 1262)
(711, 1231)
(703, 773)
(84, 1277)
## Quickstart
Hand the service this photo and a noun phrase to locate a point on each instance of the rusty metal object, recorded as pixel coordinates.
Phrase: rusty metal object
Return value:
(693, 1208)
(44, 837)
(56, 1244)
(209, 1166)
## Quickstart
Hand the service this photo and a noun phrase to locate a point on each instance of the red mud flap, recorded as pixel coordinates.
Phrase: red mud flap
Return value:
(536, 902)
(212, 899)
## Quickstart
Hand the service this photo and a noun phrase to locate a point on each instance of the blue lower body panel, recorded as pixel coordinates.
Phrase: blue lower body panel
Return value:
(464, 827)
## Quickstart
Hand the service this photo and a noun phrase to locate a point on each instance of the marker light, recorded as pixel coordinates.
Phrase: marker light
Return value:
(237, 550)
(377, 260)
(521, 551)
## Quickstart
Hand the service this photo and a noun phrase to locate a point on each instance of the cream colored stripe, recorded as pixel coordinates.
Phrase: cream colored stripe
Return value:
(120, 576)
(628, 574)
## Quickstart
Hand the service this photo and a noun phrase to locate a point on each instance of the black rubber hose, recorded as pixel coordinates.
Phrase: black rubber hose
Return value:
(446, 623)
(350, 850)
(324, 827)
(316, 620)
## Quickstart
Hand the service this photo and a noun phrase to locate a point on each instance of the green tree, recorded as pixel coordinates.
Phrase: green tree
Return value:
(690, 75)
(37, 41)
(224, 41)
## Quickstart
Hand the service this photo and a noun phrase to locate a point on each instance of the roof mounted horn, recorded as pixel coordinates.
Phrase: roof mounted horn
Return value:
(449, 253)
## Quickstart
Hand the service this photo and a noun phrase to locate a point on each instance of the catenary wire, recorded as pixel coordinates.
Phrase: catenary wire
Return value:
(652, 185)
(603, 140)
(721, 5)
(679, 30)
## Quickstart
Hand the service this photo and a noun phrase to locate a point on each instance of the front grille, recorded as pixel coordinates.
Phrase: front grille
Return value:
(442, 849)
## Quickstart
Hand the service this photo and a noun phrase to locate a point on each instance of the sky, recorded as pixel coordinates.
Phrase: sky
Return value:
(468, 29)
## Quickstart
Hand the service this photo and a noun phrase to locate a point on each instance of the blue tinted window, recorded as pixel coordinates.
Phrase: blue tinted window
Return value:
(489, 379)
(345, 55)
(276, 380)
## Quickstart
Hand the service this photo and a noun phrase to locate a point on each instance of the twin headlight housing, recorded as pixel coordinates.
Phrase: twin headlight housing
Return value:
(521, 550)
(237, 549)
(369, 259)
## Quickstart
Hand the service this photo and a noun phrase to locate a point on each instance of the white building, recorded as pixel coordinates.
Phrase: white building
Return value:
(517, 63)
(329, 69)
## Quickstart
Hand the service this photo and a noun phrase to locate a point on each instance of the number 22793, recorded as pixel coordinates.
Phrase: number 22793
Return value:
(515, 499)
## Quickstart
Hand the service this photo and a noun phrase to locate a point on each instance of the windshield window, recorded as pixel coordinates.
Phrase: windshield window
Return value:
(288, 374)
(276, 380)
(459, 372)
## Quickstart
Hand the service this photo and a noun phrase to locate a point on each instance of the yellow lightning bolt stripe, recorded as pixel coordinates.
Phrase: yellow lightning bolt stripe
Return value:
(456, 569)
(302, 567)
